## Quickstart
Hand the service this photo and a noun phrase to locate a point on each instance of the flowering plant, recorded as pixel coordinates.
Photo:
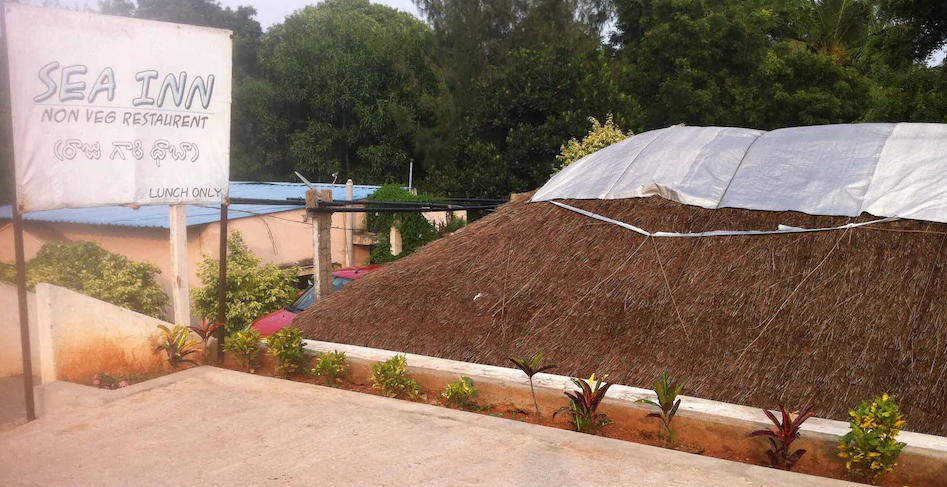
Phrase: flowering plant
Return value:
(104, 380)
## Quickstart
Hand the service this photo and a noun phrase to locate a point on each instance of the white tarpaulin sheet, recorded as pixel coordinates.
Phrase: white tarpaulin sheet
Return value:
(887, 170)
(113, 111)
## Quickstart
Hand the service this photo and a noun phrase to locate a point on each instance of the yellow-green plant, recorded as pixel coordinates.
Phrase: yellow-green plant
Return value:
(870, 449)
(246, 346)
(389, 376)
(667, 404)
(286, 348)
(600, 137)
(461, 392)
(177, 344)
(331, 366)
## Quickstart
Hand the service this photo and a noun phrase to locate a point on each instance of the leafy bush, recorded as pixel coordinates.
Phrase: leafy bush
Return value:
(781, 436)
(531, 367)
(177, 344)
(584, 404)
(89, 269)
(461, 392)
(416, 231)
(870, 449)
(389, 376)
(286, 347)
(331, 366)
(253, 290)
(245, 345)
(667, 404)
(600, 137)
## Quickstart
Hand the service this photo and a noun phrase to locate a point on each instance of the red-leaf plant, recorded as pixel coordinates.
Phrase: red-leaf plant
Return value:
(205, 331)
(781, 436)
(584, 403)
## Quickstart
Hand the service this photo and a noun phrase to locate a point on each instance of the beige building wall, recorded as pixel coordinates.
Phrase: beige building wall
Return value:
(283, 238)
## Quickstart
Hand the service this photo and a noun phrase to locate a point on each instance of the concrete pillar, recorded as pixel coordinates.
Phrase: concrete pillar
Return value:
(321, 242)
(395, 238)
(180, 295)
(349, 226)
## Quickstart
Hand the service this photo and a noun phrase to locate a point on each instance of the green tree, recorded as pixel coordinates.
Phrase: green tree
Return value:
(717, 62)
(347, 79)
(89, 269)
(909, 31)
(520, 79)
(253, 290)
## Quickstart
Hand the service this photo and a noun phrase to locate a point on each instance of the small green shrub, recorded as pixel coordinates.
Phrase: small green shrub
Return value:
(246, 346)
(870, 449)
(531, 367)
(461, 392)
(667, 404)
(253, 288)
(583, 404)
(286, 348)
(331, 366)
(389, 376)
(177, 344)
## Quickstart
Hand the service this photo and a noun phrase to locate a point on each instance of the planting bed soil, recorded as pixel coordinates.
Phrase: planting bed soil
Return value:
(614, 431)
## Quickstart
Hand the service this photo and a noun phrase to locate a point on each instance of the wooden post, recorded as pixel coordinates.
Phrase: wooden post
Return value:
(179, 287)
(321, 243)
(221, 333)
(349, 226)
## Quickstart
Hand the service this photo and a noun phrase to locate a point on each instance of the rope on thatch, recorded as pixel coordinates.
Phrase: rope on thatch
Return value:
(667, 284)
(789, 298)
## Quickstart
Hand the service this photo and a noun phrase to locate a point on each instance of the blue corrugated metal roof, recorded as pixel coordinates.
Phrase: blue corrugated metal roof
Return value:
(157, 216)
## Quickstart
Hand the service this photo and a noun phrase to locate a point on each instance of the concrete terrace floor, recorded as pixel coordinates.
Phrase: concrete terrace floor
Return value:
(208, 426)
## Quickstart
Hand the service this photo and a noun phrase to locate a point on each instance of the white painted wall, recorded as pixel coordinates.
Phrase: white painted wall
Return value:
(11, 358)
(80, 336)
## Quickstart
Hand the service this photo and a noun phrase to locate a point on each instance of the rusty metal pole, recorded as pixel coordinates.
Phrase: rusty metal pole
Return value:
(18, 239)
(24, 313)
(222, 285)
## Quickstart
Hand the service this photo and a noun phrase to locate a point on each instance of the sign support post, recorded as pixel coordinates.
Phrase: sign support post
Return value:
(222, 286)
(179, 287)
(24, 315)
(21, 292)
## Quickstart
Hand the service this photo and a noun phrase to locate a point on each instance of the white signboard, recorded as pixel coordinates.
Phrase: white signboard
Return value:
(116, 111)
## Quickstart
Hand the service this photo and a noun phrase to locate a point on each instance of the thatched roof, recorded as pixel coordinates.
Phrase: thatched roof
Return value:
(830, 317)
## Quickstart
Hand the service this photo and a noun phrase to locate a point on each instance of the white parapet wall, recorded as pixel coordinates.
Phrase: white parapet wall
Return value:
(11, 357)
(718, 427)
(79, 336)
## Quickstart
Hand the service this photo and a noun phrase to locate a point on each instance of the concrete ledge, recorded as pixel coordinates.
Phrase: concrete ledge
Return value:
(719, 428)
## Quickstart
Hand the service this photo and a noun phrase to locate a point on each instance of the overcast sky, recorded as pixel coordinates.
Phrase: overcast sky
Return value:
(271, 12)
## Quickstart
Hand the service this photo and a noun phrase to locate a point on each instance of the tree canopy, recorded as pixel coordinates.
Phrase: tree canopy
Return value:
(481, 96)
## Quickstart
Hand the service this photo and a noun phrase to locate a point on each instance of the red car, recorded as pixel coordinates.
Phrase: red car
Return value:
(277, 320)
